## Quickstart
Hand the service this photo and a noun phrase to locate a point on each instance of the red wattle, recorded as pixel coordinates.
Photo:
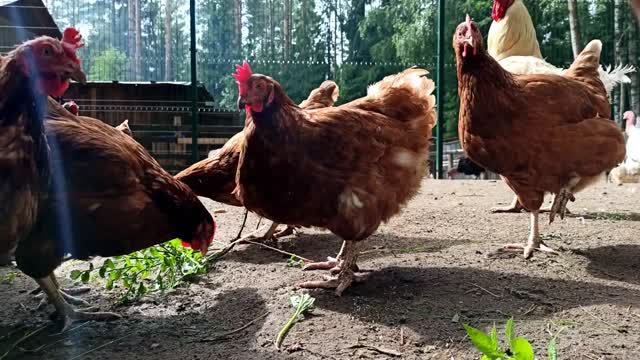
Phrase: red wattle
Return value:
(186, 244)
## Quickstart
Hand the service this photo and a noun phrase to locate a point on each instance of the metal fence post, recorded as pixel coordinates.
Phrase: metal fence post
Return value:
(195, 153)
(440, 89)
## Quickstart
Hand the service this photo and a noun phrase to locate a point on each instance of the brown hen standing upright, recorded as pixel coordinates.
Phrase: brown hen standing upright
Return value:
(542, 133)
(29, 73)
(346, 168)
(215, 177)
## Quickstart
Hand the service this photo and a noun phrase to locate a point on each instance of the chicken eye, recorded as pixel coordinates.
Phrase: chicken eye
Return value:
(47, 51)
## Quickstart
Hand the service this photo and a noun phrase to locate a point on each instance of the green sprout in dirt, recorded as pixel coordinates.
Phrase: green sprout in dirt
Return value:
(302, 304)
(519, 348)
(295, 262)
(159, 268)
(9, 277)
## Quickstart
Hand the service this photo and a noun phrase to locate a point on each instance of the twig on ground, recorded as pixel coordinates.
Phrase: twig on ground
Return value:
(233, 332)
(99, 347)
(278, 250)
(401, 336)
(531, 309)
(25, 337)
(244, 222)
(44, 346)
(377, 349)
(483, 289)
(619, 329)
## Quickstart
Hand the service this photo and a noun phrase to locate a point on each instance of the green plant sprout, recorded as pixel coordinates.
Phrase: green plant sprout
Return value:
(158, 268)
(519, 348)
(295, 262)
(302, 303)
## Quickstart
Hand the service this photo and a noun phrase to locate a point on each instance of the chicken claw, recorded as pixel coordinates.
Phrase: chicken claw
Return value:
(344, 265)
(65, 310)
(514, 207)
(559, 205)
(340, 282)
(533, 243)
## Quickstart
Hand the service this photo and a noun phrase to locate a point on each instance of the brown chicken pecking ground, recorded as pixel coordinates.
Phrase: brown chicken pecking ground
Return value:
(430, 262)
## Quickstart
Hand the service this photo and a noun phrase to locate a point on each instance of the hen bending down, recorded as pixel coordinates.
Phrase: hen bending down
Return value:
(542, 133)
(215, 177)
(108, 197)
(360, 162)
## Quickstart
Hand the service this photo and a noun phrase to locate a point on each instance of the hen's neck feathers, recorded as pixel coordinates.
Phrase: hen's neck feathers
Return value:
(485, 88)
(278, 113)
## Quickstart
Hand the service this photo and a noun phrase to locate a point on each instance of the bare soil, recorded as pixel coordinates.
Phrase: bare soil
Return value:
(435, 268)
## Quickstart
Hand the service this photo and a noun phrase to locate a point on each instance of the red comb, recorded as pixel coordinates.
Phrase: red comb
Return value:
(71, 41)
(243, 73)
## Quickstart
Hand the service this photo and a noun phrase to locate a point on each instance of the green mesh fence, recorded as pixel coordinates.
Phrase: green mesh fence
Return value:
(303, 42)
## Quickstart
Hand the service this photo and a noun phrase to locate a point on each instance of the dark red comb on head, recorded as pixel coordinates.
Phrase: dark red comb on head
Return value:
(243, 73)
(71, 40)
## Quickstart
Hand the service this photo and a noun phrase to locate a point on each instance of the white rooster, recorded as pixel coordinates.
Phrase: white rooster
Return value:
(629, 170)
(512, 41)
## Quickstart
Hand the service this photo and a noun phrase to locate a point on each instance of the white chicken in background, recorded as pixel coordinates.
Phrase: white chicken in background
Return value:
(512, 41)
(629, 171)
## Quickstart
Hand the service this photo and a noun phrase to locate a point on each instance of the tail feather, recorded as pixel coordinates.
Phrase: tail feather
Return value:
(405, 96)
(613, 76)
(587, 63)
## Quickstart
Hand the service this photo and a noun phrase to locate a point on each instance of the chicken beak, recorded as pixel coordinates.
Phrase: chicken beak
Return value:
(241, 103)
(75, 72)
(204, 248)
(469, 41)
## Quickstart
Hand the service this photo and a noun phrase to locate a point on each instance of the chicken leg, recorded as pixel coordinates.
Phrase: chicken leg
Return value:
(67, 294)
(333, 264)
(559, 205)
(65, 310)
(346, 276)
(514, 207)
(534, 242)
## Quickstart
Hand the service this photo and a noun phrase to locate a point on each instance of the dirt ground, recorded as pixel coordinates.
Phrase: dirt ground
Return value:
(435, 268)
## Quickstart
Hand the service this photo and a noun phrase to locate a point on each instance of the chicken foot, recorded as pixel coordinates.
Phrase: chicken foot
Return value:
(67, 294)
(534, 242)
(515, 207)
(559, 205)
(346, 275)
(333, 264)
(65, 310)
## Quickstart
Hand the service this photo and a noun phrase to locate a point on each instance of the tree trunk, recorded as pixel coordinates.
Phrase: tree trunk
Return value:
(272, 29)
(138, 53)
(238, 22)
(287, 28)
(114, 18)
(618, 98)
(576, 39)
(131, 16)
(168, 76)
(633, 43)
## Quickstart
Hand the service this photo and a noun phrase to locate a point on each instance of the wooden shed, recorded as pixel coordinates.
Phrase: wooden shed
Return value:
(21, 20)
(159, 115)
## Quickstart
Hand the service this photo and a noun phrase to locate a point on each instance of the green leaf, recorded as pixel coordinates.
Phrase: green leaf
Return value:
(494, 337)
(102, 272)
(142, 290)
(109, 285)
(86, 276)
(510, 332)
(552, 353)
(481, 340)
(115, 275)
(75, 274)
(109, 264)
(90, 266)
(522, 349)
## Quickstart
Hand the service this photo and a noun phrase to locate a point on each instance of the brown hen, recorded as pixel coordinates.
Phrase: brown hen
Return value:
(215, 177)
(107, 197)
(541, 133)
(346, 168)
